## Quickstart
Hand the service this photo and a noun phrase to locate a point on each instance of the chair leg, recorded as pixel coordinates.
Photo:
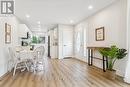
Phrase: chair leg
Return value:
(9, 66)
(34, 71)
(15, 67)
(43, 63)
(26, 66)
(34, 67)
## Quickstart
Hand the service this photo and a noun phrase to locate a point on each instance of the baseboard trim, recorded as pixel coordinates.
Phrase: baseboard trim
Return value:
(3, 76)
(67, 57)
(79, 60)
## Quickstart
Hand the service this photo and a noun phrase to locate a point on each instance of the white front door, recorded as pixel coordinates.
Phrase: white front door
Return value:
(68, 42)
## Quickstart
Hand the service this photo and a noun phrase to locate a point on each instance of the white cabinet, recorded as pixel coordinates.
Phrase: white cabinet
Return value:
(22, 30)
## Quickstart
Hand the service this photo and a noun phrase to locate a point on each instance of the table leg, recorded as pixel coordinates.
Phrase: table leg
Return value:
(89, 57)
(107, 62)
(104, 64)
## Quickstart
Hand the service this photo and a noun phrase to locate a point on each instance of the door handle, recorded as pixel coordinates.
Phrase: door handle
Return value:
(65, 45)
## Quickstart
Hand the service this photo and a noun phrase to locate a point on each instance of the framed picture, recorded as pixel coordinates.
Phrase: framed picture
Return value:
(7, 33)
(100, 34)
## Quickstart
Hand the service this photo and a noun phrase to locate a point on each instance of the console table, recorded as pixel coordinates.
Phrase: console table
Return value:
(91, 57)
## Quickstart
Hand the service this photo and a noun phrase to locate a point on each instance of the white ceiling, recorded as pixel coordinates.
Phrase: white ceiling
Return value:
(51, 12)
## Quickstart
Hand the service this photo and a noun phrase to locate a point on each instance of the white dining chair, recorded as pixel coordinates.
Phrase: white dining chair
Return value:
(38, 57)
(18, 61)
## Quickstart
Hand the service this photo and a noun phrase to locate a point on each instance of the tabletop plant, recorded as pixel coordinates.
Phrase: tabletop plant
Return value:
(113, 53)
(34, 39)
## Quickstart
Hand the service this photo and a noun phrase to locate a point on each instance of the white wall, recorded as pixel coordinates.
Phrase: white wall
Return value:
(4, 47)
(127, 74)
(113, 18)
(81, 28)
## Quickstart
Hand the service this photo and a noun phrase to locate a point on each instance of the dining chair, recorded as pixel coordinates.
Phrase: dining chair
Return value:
(18, 61)
(38, 57)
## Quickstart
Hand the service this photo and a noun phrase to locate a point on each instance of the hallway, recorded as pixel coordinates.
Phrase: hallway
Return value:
(62, 73)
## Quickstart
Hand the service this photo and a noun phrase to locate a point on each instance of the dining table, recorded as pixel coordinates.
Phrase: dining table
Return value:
(26, 54)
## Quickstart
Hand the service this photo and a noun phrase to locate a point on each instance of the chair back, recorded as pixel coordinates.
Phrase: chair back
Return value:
(12, 53)
(42, 51)
(39, 52)
(19, 48)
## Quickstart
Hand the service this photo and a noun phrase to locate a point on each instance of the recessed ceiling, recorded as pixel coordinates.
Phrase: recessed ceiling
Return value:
(51, 12)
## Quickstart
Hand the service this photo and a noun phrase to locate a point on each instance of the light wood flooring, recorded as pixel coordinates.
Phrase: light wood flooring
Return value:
(62, 73)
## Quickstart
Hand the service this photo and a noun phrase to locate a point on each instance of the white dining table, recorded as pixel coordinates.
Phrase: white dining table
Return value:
(26, 54)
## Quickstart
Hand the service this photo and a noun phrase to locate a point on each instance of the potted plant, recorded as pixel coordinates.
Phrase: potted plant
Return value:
(113, 54)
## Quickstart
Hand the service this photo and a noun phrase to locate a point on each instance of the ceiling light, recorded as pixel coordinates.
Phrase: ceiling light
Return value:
(90, 7)
(39, 22)
(71, 21)
(27, 16)
(39, 26)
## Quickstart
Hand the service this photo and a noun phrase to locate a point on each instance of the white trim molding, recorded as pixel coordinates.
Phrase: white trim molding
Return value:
(127, 73)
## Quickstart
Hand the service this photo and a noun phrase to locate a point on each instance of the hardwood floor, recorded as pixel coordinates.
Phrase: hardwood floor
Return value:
(62, 73)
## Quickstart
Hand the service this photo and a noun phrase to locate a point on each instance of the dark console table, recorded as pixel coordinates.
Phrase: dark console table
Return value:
(91, 57)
